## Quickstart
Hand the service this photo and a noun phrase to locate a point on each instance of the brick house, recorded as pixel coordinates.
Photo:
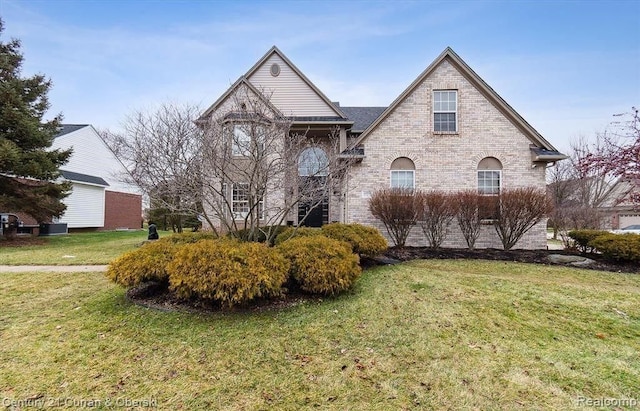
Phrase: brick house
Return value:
(448, 130)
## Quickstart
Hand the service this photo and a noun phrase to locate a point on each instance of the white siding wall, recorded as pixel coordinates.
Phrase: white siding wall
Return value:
(91, 156)
(85, 207)
(290, 93)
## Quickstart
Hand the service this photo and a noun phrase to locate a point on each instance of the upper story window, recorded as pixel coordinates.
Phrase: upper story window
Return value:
(445, 110)
(247, 139)
(403, 173)
(241, 141)
(313, 162)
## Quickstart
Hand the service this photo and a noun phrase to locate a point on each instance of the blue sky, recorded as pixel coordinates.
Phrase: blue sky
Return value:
(565, 66)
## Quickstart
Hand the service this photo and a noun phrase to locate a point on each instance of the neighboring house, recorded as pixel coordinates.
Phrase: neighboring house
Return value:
(99, 198)
(619, 208)
(447, 131)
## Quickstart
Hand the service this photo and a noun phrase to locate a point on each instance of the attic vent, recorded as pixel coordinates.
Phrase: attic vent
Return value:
(275, 70)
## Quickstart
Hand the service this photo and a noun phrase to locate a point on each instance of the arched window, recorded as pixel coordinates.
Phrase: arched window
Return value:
(403, 173)
(313, 162)
(489, 176)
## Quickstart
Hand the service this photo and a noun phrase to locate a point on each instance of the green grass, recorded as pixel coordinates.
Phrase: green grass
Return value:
(74, 249)
(421, 335)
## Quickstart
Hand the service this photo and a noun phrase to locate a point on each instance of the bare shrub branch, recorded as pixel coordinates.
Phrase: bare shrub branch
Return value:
(467, 211)
(520, 209)
(398, 209)
(438, 211)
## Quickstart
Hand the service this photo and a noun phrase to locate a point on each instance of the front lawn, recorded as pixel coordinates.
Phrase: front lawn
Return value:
(426, 334)
(98, 247)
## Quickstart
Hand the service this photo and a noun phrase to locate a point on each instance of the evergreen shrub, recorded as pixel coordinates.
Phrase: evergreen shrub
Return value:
(584, 237)
(144, 264)
(364, 240)
(227, 271)
(295, 232)
(321, 265)
(618, 247)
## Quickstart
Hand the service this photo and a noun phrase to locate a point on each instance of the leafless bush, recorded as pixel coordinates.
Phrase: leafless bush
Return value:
(398, 209)
(467, 207)
(520, 209)
(438, 211)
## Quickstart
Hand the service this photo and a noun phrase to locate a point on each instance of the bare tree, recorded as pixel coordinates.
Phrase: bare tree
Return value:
(161, 150)
(257, 173)
(618, 150)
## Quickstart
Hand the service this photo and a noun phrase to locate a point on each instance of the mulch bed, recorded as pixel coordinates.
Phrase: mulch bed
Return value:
(154, 296)
(521, 256)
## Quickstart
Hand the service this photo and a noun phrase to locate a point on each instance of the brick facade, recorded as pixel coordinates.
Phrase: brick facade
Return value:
(122, 210)
(449, 161)
(486, 127)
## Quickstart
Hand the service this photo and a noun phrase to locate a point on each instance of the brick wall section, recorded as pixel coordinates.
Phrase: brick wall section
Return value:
(445, 161)
(122, 210)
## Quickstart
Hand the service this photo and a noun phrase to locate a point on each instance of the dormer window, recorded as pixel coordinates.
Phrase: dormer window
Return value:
(445, 111)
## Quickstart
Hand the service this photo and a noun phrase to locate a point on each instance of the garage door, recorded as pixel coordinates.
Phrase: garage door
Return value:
(629, 219)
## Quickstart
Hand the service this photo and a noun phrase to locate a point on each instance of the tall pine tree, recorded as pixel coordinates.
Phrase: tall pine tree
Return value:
(28, 168)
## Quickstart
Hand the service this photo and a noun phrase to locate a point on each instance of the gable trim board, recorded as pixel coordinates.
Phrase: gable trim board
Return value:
(490, 128)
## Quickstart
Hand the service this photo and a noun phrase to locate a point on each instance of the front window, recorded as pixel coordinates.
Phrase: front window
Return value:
(445, 110)
(240, 200)
(403, 173)
(313, 162)
(489, 184)
(247, 139)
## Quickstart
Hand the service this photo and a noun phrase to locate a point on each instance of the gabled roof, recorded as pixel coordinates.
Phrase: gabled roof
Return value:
(69, 128)
(241, 81)
(362, 116)
(480, 85)
(84, 178)
(275, 50)
(245, 80)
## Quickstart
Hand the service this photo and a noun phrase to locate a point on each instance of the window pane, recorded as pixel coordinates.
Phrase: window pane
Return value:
(402, 179)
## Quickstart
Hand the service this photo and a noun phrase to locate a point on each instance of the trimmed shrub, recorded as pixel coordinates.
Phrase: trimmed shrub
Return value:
(468, 205)
(618, 247)
(583, 238)
(519, 210)
(321, 265)
(398, 209)
(364, 240)
(438, 210)
(147, 263)
(189, 237)
(227, 271)
(295, 232)
(259, 234)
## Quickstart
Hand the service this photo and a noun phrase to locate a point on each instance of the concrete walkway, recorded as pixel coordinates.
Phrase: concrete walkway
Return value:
(51, 268)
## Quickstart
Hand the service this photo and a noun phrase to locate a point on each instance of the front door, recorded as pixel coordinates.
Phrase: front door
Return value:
(313, 217)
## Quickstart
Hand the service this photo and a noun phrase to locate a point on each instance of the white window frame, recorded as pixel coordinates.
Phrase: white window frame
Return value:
(241, 142)
(398, 172)
(240, 206)
(438, 109)
(493, 188)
